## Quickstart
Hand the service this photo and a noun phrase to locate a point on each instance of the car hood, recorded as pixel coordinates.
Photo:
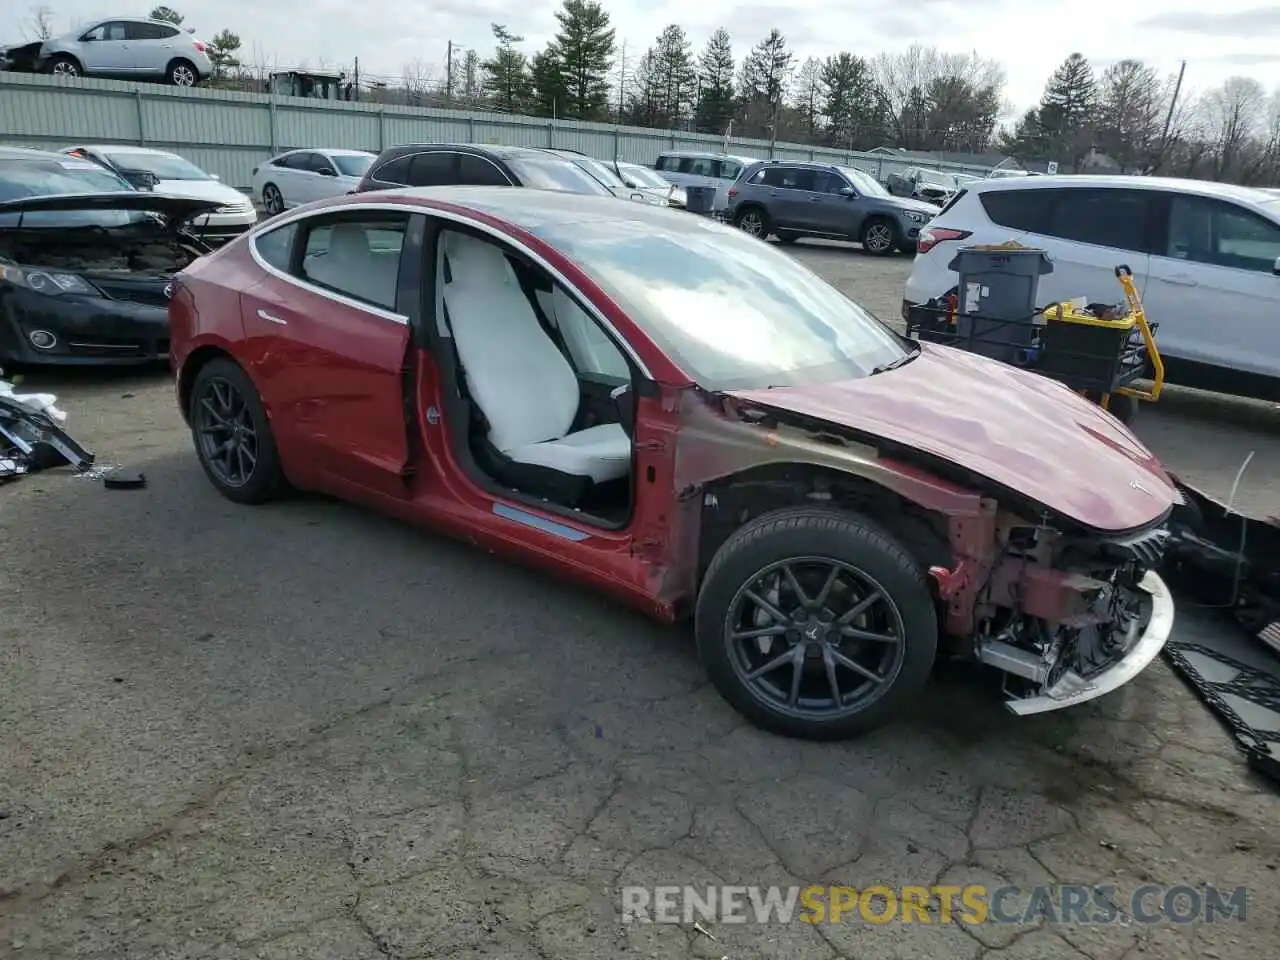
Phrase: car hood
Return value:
(201, 190)
(176, 209)
(910, 203)
(1020, 430)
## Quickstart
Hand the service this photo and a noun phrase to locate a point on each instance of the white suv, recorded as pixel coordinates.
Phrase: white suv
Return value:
(1205, 256)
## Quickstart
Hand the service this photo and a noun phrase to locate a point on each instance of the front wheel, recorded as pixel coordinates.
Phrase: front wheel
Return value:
(64, 66)
(878, 237)
(816, 624)
(272, 200)
(232, 434)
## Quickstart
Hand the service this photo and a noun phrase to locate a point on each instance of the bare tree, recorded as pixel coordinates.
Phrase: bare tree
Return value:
(40, 23)
(1229, 118)
(418, 78)
(937, 100)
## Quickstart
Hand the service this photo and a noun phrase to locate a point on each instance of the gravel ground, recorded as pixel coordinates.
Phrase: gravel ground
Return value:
(304, 731)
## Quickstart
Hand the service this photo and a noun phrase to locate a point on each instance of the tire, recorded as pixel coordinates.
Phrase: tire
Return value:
(182, 73)
(869, 562)
(879, 237)
(754, 221)
(65, 66)
(222, 397)
(272, 200)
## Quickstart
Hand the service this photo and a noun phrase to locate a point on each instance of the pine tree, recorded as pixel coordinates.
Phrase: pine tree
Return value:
(671, 61)
(765, 75)
(1130, 111)
(851, 103)
(1068, 109)
(715, 83)
(582, 52)
(507, 83)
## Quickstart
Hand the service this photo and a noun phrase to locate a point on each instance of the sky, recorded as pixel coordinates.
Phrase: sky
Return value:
(1029, 39)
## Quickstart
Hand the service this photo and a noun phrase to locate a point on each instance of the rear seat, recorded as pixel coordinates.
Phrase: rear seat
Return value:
(349, 266)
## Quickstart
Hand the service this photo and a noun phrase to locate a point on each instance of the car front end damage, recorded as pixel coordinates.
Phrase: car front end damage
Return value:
(88, 294)
(1066, 614)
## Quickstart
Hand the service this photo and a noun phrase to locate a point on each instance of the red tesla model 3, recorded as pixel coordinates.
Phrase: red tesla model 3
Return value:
(687, 418)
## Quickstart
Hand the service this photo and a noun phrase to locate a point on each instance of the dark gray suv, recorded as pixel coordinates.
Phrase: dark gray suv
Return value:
(791, 199)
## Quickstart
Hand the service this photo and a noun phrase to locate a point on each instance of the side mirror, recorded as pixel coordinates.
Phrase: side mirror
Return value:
(848, 193)
(327, 172)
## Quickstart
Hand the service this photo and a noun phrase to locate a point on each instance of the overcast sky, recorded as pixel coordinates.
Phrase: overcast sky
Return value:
(1237, 37)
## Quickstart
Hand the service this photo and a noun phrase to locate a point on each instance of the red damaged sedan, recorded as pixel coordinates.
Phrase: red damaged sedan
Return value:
(685, 417)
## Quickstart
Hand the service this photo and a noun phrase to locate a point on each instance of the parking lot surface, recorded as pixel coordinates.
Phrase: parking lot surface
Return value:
(304, 731)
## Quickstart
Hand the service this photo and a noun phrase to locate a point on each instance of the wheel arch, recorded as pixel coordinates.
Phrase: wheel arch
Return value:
(174, 61)
(730, 502)
(64, 55)
(199, 358)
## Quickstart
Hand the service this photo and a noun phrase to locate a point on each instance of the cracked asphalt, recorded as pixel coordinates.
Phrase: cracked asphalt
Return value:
(304, 731)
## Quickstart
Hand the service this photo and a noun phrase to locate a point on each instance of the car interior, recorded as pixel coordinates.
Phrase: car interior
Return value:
(545, 399)
(341, 257)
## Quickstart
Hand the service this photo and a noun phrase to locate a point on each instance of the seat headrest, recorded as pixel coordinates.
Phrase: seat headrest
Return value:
(473, 261)
(348, 240)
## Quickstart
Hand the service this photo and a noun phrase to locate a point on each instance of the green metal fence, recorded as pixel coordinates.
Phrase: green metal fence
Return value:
(228, 133)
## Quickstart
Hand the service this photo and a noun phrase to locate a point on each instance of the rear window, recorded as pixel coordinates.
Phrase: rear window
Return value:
(1018, 209)
(952, 202)
(395, 171)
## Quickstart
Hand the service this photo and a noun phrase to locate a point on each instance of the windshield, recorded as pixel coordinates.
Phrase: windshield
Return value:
(601, 173)
(866, 184)
(732, 312)
(163, 166)
(935, 178)
(352, 165)
(639, 176)
(39, 178)
(555, 174)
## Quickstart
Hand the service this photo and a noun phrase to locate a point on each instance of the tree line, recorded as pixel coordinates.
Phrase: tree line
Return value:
(1148, 124)
(922, 99)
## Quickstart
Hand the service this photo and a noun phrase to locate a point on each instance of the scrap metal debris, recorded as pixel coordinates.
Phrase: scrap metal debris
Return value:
(31, 435)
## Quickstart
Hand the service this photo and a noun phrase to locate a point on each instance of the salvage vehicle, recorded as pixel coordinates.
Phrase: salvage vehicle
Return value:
(691, 421)
(168, 173)
(86, 261)
(125, 48)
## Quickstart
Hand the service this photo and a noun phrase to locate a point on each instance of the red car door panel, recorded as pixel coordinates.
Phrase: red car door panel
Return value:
(330, 373)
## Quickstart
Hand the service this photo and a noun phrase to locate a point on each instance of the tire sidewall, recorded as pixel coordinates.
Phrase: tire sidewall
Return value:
(266, 480)
(843, 536)
(759, 213)
(893, 237)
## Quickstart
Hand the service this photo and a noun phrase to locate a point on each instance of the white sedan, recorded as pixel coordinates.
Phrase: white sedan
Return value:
(300, 176)
(169, 173)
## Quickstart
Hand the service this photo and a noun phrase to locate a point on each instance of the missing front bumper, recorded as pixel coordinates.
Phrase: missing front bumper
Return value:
(1073, 689)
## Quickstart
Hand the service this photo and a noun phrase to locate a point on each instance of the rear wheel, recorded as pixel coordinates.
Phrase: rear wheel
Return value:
(182, 73)
(878, 237)
(753, 220)
(232, 434)
(816, 624)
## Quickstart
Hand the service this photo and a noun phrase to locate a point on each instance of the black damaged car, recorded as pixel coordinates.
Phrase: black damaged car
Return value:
(86, 261)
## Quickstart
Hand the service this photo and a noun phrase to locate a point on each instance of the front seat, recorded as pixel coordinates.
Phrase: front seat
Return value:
(521, 382)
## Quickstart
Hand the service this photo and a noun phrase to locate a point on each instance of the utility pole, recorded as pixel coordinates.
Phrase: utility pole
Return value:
(1173, 102)
(355, 87)
(448, 75)
(622, 79)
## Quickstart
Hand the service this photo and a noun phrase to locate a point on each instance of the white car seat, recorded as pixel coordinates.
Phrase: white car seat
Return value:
(349, 266)
(515, 373)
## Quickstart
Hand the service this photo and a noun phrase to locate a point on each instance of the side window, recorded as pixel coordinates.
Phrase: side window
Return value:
(729, 169)
(664, 163)
(438, 168)
(825, 181)
(789, 178)
(298, 161)
(1018, 209)
(147, 31)
(479, 171)
(116, 31)
(394, 171)
(1105, 218)
(758, 176)
(97, 33)
(276, 246)
(698, 166)
(357, 256)
(1221, 234)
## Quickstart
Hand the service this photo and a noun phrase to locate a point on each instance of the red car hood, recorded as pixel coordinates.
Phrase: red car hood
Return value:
(1017, 429)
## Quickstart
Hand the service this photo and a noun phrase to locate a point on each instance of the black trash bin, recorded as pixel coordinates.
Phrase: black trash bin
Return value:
(996, 299)
(701, 200)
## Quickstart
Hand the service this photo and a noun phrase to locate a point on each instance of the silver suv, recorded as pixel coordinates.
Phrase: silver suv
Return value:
(791, 199)
(127, 48)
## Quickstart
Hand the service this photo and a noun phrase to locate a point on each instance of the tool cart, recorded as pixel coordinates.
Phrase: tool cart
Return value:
(1099, 350)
